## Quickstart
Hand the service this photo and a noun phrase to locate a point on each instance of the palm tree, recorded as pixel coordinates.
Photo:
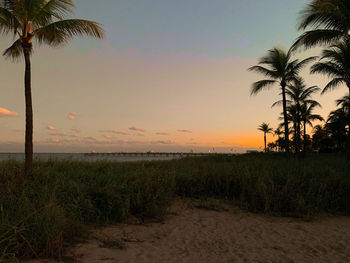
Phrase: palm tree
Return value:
(328, 21)
(265, 128)
(335, 63)
(308, 117)
(43, 21)
(278, 132)
(280, 69)
(299, 95)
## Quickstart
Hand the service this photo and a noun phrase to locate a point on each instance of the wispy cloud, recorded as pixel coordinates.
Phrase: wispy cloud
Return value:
(163, 142)
(72, 116)
(7, 113)
(116, 132)
(50, 128)
(162, 133)
(185, 131)
(138, 129)
(107, 136)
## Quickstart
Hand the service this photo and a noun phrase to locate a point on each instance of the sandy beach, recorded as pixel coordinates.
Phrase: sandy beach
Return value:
(211, 231)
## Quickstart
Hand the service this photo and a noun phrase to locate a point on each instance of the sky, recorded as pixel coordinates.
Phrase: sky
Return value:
(170, 76)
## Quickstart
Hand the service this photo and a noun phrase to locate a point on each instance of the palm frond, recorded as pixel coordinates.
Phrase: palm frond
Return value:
(264, 71)
(313, 38)
(334, 83)
(261, 85)
(60, 32)
(8, 21)
(50, 10)
(329, 68)
(15, 51)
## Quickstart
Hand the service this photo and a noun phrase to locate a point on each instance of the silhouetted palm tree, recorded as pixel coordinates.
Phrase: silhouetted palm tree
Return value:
(308, 117)
(265, 128)
(335, 63)
(278, 132)
(299, 95)
(328, 21)
(41, 21)
(280, 69)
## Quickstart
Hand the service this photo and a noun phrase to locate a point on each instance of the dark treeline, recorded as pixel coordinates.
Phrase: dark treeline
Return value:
(326, 23)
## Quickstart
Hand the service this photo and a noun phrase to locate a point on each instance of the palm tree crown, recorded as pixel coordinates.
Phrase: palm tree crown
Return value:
(265, 127)
(328, 21)
(43, 21)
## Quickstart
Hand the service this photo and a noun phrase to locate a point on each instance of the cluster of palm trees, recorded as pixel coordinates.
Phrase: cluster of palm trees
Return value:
(327, 23)
(41, 21)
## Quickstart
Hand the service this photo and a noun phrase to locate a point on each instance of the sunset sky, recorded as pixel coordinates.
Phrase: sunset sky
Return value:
(171, 75)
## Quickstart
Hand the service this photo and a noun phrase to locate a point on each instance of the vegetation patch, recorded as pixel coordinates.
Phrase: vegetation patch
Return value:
(41, 215)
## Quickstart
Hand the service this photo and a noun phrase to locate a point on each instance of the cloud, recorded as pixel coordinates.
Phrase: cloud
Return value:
(7, 113)
(138, 129)
(51, 128)
(115, 132)
(72, 116)
(162, 133)
(107, 136)
(185, 131)
(163, 142)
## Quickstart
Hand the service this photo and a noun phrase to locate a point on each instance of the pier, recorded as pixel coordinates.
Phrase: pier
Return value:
(151, 154)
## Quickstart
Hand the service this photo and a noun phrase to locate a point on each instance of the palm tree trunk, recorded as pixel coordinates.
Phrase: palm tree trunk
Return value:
(298, 135)
(286, 131)
(304, 136)
(29, 114)
(265, 141)
(348, 148)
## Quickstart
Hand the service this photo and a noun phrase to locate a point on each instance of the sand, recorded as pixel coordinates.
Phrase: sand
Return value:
(197, 231)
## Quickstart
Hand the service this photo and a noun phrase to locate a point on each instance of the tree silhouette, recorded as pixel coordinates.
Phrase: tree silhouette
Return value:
(265, 128)
(280, 69)
(41, 21)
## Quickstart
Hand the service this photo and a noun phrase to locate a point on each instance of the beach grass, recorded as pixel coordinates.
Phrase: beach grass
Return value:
(41, 215)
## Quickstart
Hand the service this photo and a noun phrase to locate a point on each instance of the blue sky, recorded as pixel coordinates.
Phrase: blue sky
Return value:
(222, 28)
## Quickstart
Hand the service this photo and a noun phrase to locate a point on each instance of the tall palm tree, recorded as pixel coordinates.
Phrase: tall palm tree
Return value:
(327, 21)
(265, 128)
(308, 117)
(335, 63)
(41, 21)
(279, 67)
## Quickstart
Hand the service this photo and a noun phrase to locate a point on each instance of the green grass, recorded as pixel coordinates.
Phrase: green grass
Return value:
(39, 216)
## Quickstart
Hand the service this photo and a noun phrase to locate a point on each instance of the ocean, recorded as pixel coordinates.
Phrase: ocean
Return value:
(84, 157)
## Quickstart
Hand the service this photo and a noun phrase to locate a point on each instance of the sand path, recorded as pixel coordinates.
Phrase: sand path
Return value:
(192, 234)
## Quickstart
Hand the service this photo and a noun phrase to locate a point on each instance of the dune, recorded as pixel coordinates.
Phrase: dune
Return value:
(213, 231)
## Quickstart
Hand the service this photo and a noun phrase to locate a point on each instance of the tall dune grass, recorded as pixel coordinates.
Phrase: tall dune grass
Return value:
(39, 216)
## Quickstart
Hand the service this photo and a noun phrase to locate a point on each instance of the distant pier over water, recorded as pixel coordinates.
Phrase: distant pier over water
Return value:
(154, 154)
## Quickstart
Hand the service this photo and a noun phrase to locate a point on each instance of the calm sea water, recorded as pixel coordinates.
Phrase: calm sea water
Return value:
(83, 157)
